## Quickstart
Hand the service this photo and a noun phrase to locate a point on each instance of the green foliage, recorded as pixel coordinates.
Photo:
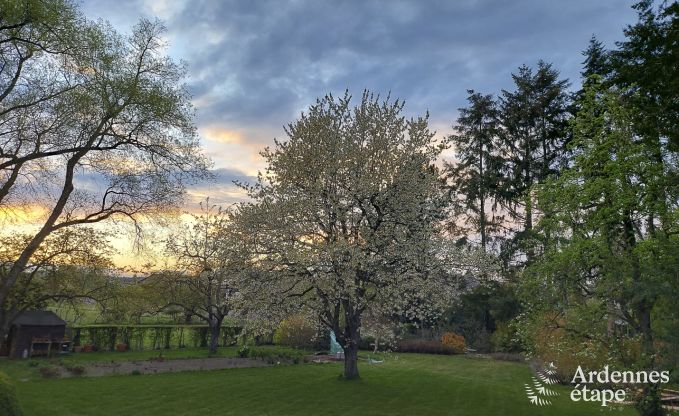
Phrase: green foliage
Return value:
(649, 403)
(477, 313)
(610, 243)
(277, 355)
(534, 119)
(295, 331)
(105, 337)
(244, 351)
(9, 405)
(644, 67)
(505, 338)
(475, 176)
(58, 65)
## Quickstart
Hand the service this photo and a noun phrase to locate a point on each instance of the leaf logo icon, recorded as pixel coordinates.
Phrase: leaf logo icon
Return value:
(537, 393)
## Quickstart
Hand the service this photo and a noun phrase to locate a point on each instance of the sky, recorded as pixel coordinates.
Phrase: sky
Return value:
(255, 65)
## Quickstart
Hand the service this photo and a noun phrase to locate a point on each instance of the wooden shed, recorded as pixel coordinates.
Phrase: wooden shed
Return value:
(37, 333)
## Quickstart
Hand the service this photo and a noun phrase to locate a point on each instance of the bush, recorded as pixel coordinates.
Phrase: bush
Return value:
(454, 341)
(505, 339)
(295, 332)
(423, 346)
(9, 405)
(366, 343)
(244, 351)
(76, 369)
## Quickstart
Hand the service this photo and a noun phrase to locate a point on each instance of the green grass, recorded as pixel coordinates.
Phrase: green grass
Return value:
(412, 385)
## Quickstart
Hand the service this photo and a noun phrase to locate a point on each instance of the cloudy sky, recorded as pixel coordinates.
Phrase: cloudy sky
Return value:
(254, 65)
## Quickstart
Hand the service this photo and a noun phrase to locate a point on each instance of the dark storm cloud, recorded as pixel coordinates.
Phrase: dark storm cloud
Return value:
(254, 65)
(267, 60)
(263, 61)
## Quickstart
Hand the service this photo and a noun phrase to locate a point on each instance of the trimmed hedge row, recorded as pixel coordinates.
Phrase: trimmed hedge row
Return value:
(144, 337)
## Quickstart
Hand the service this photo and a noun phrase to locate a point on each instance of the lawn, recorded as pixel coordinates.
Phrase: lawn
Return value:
(410, 385)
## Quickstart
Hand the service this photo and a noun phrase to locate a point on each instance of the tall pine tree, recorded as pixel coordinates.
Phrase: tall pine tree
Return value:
(534, 119)
(474, 176)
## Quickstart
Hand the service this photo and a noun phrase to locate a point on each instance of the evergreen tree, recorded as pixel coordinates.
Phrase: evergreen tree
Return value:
(596, 59)
(604, 272)
(646, 69)
(534, 121)
(474, 175)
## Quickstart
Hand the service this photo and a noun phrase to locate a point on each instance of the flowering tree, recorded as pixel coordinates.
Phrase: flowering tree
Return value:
(344, 216)
(210, 269)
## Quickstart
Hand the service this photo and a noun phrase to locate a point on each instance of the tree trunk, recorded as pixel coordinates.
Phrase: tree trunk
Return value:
(215, 329)
(351, 361)
(350, 339)
(4, 328)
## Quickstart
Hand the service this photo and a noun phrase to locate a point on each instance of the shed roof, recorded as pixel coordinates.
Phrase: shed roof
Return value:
(38, 318)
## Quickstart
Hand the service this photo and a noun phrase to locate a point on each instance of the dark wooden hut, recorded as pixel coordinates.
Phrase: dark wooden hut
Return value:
(36, 333)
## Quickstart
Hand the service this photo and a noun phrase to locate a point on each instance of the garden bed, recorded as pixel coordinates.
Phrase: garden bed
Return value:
(99, 369)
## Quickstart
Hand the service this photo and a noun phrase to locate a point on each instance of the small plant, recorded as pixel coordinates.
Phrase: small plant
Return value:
(49, 371)
(136, 373)
(33, 363)
(296, 332)
(244, 351)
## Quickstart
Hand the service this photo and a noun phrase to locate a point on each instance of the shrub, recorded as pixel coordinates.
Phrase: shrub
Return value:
(9, 405)
(423, 346)
(136, 373)
(76, 369)
(454, 341)
(366, 343)
(49, 371)
(295, 332)
(505, 339)
(244, 351)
